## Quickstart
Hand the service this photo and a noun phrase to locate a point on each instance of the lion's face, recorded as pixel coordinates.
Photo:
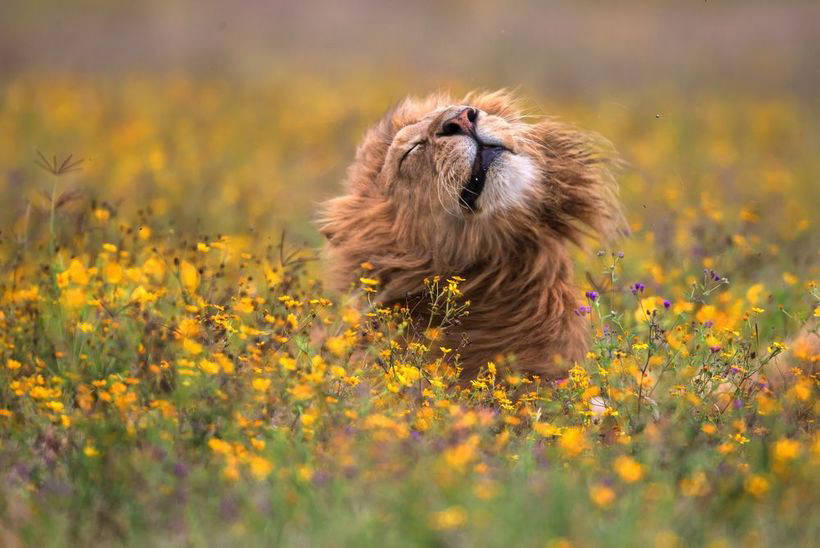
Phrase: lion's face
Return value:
(460, 161)
(455, 182)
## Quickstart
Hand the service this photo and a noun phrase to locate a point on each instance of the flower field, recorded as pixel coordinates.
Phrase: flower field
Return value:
(173, 372)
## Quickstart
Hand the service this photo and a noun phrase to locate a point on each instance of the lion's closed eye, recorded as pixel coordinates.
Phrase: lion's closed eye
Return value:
(415, 147)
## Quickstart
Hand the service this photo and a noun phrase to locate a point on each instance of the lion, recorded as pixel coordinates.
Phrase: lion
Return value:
(474, 188)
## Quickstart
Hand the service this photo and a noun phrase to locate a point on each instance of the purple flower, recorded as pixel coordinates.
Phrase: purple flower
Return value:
(620, 254)
(637, 287)
(708, 323)
(592, 296)
(714, 349)
(582, 310)
(666, 304)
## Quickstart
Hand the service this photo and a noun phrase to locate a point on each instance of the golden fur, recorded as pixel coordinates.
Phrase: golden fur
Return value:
(404, 211)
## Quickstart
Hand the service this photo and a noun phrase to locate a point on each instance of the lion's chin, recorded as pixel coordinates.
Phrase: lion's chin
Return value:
(485, 157)
(508, 184)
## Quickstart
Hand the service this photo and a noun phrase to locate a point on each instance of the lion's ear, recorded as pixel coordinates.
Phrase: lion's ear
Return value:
(579, 182)
(327, 233)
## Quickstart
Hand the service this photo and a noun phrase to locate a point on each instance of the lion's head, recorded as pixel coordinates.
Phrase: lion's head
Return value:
(470, 187)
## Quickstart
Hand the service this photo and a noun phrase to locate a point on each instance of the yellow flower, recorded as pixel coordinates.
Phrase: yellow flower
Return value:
(308, 418)
(369, 281)
(766, 405)
(191, 346)
(451, 518)
(209, 367)
(801, 390)
(546, 429)
(77, 272)
(260, 466)
(350, 316)
(790, 278)
(601, 495)
(102, 214)
(74, 297)
(260, 385)
(220, 446)
(140, 294)
(302, 392)
(90, 451)
(55, 406)
(188, 327)
(154, 267)
(287, 363)
(628, 469)
(189, 276)
(203, 247)
(338, 346)
(740, 438)
(225, 363)
(113, 273)
(753, 293)
(458, 456)
(785, 450)
(573, 441)
(85, 327)
(13, 364)
(292, 321)
(756, 485)
(111, 248)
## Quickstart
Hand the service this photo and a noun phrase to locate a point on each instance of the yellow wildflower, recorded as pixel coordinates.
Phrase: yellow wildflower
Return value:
(573, 441)
(209, 367)
(260, 466)
(628, 469)
(189, 276)
(601, 495)
(338, 346)
(260, 385)
(756, 485)
(451, 518)
(191, 346)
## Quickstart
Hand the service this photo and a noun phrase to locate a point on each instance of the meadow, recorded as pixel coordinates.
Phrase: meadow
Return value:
(172, 371)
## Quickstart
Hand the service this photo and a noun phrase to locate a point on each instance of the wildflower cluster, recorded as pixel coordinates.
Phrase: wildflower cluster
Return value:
(158, 380)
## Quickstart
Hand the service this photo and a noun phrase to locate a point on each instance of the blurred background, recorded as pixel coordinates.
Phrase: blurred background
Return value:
(239, 116)
(554, 47)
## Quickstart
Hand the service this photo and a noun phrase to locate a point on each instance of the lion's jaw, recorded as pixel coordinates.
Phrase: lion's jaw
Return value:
(508, 183)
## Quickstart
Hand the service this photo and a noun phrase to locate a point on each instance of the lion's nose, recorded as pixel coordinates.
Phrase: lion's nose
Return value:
(462, 123)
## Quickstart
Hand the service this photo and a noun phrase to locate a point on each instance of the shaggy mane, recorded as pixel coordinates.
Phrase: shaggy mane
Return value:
(519, 275)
